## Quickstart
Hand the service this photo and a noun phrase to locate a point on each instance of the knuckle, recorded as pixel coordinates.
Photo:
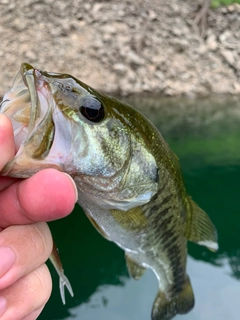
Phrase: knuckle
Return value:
(40, 237)
(42, 284)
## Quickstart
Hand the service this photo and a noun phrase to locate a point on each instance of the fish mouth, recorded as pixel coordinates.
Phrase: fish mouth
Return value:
(28, 77)
(41, 125)
(29, 105)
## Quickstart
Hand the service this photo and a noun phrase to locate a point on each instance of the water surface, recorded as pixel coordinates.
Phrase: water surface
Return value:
(205, 136)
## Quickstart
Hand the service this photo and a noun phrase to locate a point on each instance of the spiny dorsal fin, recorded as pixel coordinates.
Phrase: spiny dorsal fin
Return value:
(199, 227)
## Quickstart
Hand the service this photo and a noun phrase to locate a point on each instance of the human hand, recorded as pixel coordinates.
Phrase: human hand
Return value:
(25, 239)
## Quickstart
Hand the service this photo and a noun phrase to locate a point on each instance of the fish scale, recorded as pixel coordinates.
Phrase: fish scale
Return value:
(161, 217)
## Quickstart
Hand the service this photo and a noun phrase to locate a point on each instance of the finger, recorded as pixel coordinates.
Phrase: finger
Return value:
(6, 182)
(22, 250)
(46, 196)
(28, 295)
(34, 315)
(7, 146)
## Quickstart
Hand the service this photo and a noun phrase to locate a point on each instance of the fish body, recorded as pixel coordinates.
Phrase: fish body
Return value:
(129, 181)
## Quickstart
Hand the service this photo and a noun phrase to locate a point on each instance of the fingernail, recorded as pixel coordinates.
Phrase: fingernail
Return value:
(3, 305)
(7, 259)
(73, 184)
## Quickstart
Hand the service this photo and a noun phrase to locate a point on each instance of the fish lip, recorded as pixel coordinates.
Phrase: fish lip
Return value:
(32, 80)
(25, 70)
(28, 76)
(25, 67)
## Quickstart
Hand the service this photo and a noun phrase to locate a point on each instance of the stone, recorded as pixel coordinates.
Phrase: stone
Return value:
(228, 55)
(211, 42)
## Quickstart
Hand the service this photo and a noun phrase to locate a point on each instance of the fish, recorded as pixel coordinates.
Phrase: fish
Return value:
(129, 181)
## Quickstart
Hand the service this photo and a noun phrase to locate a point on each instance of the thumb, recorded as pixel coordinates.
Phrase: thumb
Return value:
(7, 147)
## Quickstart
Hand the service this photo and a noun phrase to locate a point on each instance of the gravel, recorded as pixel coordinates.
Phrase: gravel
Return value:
(124, 47)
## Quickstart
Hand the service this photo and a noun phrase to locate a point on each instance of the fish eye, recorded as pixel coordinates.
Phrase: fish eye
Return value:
(92, 109)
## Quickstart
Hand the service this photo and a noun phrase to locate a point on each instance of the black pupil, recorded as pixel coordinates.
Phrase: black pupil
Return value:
(92, 113)
(92, 109)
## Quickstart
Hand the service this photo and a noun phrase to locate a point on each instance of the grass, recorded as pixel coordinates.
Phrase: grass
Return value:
(216, 3)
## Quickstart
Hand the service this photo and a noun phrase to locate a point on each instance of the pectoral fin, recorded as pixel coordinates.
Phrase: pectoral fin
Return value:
(97, 227)
(131, 220)
(199, 227)
(134, 269)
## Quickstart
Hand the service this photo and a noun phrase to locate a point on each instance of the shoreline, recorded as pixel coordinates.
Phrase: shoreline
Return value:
(125, 48)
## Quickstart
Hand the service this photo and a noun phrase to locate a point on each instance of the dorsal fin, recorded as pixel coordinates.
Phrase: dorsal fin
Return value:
(199, 227)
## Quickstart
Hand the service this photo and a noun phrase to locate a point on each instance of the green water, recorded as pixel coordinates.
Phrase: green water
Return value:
(205, 135)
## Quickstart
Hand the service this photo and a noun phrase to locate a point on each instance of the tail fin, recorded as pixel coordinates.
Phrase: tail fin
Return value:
(166, 309)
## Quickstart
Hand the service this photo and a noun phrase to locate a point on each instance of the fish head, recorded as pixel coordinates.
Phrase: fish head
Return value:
(60, 122)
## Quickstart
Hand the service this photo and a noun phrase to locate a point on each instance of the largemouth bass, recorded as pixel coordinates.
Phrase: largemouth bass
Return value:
(129, 181)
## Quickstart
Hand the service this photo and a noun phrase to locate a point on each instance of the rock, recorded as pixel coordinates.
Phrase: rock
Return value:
(31, 55)
(228, 55)
(119, 67)
(231, 8)
(133, 58)
(224, 36)
(211, 42)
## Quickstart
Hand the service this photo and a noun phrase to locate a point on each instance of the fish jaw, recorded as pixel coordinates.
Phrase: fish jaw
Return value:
(31, 107)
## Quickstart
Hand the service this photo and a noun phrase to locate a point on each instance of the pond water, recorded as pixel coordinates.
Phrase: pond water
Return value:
(205, 135)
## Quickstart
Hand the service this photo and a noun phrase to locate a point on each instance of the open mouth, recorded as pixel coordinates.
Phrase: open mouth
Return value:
(27, 105)
(27, 72)
(41, 125)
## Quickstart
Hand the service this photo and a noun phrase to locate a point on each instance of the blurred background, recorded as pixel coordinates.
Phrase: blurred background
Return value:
(178, 62)
(170, 47)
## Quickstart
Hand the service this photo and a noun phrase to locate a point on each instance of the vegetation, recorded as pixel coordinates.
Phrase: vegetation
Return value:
(216, 3)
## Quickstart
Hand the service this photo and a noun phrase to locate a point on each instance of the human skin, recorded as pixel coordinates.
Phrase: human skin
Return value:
(25, 239)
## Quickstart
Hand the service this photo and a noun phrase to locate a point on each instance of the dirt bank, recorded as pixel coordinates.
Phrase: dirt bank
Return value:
(124, 46)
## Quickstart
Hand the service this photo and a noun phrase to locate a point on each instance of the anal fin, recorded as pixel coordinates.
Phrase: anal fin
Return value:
(134, 269)
(165, 308)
